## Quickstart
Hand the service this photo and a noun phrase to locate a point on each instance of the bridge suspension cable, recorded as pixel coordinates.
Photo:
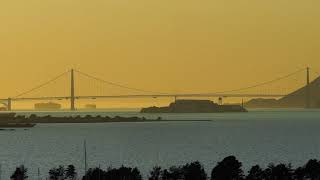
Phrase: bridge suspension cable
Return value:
(116, 84)
(263, 83)
(42, 85)
(315, 72)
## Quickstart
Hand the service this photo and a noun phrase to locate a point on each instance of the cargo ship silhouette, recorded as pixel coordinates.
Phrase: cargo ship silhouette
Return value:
(47, 106)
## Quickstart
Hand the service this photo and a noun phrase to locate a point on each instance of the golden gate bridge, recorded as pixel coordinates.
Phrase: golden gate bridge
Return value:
(72, 95)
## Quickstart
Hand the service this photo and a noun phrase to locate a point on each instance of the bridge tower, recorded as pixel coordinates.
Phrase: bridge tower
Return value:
(9, 104)
(72, 94)
(308, 89)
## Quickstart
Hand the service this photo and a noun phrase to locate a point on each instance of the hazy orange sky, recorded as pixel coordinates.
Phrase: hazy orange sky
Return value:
(159, 45)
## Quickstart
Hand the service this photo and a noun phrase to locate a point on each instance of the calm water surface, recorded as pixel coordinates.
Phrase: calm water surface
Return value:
(258, 137)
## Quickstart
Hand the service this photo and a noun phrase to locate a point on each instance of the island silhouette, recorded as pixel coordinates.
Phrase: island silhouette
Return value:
(194, 106)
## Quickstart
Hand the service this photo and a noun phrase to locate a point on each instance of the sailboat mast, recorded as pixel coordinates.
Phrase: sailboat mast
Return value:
(85, 157)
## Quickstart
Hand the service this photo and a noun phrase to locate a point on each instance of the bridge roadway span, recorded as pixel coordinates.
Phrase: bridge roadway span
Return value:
(145, 96)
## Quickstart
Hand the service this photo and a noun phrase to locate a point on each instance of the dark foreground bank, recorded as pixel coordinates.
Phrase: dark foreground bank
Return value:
(10, 119)
(227, 169)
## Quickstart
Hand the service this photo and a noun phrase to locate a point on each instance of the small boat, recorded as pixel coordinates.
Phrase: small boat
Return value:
(91, 106)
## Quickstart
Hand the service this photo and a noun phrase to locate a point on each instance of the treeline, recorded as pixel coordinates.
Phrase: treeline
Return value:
(227, 169)
(33, 118)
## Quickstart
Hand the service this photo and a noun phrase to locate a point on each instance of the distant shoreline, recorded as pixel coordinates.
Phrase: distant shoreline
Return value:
(106, 122)
(137, 110)
(12, 118)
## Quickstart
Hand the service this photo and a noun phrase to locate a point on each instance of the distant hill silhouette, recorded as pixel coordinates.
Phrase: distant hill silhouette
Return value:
(296, 99)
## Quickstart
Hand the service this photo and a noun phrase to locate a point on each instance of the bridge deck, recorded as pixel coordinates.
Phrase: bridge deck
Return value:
(145, 96)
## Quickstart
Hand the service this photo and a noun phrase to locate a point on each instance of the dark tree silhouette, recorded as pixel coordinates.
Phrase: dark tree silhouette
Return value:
(123, 173)
(95, 174)
(312, 169)
(299, 173)
(57, 173)
(155, 174)
(279, 172)
(194, 171)
(165, 174)
(228, 169)
(70, 173)
(255, 173)
(20, 173)
(174, 173)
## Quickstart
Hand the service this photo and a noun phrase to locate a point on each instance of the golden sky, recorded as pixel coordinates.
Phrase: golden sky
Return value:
(159, 45)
